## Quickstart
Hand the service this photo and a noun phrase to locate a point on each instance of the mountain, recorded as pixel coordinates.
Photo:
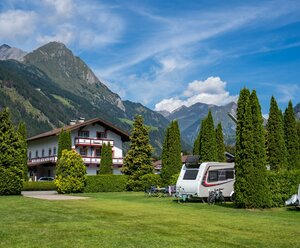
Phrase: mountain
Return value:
(189, 119)
(7, 52)
(52, 86)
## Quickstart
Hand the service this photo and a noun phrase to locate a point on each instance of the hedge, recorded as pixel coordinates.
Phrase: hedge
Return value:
(105, 183)
(10, 181)
(283, 185)
(27, 186)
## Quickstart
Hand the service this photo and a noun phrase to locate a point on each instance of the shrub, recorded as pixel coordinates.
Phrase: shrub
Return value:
(106, 183)
(174, 179)
(38, 186)
(70, 173)
(283, 184)
(149, 180)
(10, 181)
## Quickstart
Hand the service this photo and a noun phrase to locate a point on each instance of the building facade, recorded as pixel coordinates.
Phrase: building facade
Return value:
(87, 139)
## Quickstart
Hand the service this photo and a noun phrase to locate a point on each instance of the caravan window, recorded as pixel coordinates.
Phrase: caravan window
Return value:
(213, 176)
(220, 175)
(190, 175)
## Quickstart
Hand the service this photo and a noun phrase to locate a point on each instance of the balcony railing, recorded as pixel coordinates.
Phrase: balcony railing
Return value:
(96, 160)
(92, 141)
(40, 160)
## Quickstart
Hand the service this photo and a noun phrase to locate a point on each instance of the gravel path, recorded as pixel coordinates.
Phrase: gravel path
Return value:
(51, 195)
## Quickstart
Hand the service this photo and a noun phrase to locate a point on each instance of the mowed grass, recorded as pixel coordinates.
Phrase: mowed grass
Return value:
(133, 220)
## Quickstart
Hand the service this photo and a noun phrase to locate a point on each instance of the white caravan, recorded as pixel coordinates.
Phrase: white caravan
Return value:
(196, 180)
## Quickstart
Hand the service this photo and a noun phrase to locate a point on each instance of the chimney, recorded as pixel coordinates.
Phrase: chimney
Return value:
(72, 122)
(81, 120)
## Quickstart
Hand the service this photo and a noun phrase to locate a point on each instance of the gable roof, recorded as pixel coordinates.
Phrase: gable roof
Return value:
(108, 125)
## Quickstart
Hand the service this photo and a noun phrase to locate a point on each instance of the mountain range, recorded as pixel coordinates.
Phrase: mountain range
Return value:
(50, 86)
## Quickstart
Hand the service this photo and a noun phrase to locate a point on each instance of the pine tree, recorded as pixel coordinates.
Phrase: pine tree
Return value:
(137, 161)
(220, 143)
(244, 156)
(291, 138)
(259, 194)
(11, 157)
(106, 164)
(64, 142)
(208, 144)
(23, 135)
(171, 159)
(276, 149)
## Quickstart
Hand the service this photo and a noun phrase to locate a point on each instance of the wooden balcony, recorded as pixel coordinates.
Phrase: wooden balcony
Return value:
(42, 160)
(79, 141)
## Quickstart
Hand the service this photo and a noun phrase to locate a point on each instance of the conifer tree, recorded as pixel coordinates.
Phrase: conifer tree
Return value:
(11, 157)
(64, 142)
(208, 144)
(23, 136)
(171, 158)
(220, 143)
(137, 161)
(291, 138)
(276, 149)
(106, 164)
(260, 196)
(244, 155)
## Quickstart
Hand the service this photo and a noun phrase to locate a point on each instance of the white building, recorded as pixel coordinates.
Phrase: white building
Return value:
(87, 139)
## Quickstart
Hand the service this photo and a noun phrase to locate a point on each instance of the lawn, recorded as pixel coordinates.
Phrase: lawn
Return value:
(133, 220)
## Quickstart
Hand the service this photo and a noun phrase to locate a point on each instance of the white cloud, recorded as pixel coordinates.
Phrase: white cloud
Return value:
(287, 92)
(210, 91)
(64, 34)
(16, 23)
(62, 7)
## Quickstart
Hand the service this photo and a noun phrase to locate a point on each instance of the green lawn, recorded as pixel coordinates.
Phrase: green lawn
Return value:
(133, 220)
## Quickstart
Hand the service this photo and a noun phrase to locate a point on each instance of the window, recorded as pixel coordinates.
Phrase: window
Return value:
(54, 151)
(98, 152)
(83, 151)
(50, 152)
(36, 153)
(213, 176)
(229, 174)
(101, 135)
(43, 152)
(190, 174)
(29, 155)
(84, 134)
(220, 175)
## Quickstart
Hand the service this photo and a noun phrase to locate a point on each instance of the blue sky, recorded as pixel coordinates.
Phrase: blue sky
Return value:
(168, 53)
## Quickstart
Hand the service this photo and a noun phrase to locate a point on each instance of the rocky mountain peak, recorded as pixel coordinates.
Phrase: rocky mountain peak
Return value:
(8, 52)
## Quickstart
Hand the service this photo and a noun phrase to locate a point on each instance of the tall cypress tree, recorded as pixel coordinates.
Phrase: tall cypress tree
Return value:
(11, 157)
(208, 144)
(23, 136)
(260, 196)
(220, 143)
(276, 149)
(291, 138)
(106, 164)
(137, 161)
(171, 158)
(244, 156)
(64, 142)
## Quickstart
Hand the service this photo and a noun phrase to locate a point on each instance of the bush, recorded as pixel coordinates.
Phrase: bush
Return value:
(174, 179)
(10, 181)
(149, 180)
(106, 183)
(38, 186)
(282, 184)
(70, 173)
